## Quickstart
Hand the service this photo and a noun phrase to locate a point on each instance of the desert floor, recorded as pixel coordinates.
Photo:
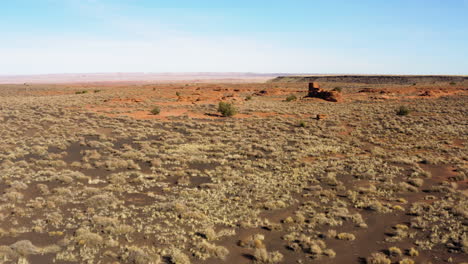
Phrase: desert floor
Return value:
(89, 175)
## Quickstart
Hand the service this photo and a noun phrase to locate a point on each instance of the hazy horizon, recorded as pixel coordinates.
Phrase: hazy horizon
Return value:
(322, 37)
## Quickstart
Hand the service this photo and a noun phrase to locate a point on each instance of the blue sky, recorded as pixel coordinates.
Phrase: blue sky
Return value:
(296, 36)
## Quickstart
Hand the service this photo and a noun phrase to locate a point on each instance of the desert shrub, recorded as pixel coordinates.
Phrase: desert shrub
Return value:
(453, 83)
(226, 109)
(290, 98)
(338, 89)
(81, 92)
(97, 91)
(402, 111)
(248, 98)
(177, 93)
(156, 110)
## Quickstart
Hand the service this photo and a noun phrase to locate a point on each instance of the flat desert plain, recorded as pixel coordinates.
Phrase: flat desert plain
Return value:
(152, 173)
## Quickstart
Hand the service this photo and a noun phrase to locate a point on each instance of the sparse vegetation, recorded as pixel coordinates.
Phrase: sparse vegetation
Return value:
(100, 178)
(81, 92)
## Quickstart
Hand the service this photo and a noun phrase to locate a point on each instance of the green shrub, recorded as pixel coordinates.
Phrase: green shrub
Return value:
(402, 111)
(156, 110)
(338, 89)
(248, 98)
(81, 92)
(177, 93)
(97, 91)
(226, 109)
(453, 83)
(302, 123)
(291, 97)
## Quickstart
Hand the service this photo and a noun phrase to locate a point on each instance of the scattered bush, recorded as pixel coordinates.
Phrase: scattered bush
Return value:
(290, 98)
(402, 111)
(156, 110)
(97, 91)
(248, 98)
(302, 123)
(453, 83)
(81, 92)
(226, 109)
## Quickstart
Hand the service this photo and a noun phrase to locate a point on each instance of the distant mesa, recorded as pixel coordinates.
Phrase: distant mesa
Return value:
(373, 79)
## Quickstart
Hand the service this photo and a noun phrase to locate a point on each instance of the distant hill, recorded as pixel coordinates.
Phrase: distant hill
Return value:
(138, 77)
(372, 79)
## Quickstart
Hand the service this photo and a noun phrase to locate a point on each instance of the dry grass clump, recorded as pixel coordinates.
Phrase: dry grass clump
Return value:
(206, 250)
(406, 261)
(394, 251)
(137, 255)
(102, 201)
(413, 252)
(261, 255)
(253, 241)
(378, 258)
(85, 237)
(178, 257)
(346, 236)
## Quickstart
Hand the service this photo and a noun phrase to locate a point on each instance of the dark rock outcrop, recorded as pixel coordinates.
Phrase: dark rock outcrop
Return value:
(316, 92)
